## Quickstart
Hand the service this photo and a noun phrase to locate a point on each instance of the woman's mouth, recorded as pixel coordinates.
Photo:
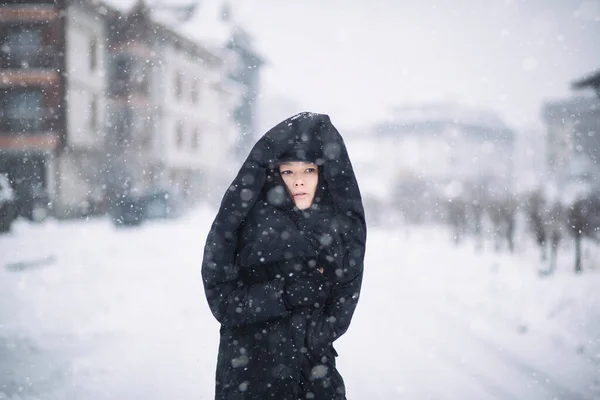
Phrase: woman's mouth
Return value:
(300, 194)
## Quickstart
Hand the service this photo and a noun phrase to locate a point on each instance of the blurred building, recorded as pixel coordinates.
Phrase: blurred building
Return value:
(172, 101)
(48, 65)
(573, 135)
(219, 25)
(96, 102)
(195, 101)
(247, 73)
(529, 159)
(429, 148)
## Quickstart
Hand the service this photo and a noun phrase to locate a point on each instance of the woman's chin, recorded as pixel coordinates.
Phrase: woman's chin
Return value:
(302, 205)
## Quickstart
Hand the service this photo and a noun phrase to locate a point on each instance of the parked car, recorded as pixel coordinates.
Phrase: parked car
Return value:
(33, 203)
(163, 204)
(8, 204)
(127, 210)
(156, 203)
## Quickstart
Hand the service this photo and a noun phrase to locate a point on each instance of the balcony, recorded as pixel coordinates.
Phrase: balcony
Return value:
(121, 88)
(37, 143)
(15, 11)
(28, 57)
(36, 121)
(34, 3)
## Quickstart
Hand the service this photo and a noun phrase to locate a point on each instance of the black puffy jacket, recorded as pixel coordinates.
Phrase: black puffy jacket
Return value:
(259, 244)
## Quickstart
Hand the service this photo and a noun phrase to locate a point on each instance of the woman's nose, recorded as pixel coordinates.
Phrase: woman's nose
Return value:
(298, 183)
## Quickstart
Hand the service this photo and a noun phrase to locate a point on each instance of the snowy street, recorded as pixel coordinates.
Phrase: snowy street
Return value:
(89, 311)
(462, 137)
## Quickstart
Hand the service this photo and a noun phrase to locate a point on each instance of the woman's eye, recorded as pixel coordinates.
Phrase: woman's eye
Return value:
(286, 172)
(310, 170)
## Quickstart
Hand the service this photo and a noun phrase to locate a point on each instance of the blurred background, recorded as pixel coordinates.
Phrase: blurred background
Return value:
(472, 127)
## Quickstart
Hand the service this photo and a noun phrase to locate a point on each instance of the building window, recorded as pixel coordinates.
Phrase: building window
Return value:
(93, 53)
(196, 139)
(179, 135)
(140, 78)
(24, 38)
(21, 111)
(178, 84)
(24, 47)
(94, 112)
(195, 92)
(122, 121)
(148, 131)
(122, 68)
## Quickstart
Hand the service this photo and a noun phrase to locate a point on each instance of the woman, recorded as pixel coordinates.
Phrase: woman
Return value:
(283, 264)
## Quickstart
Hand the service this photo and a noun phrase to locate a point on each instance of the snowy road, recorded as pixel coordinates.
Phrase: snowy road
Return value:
(91, 312)
(431, 348)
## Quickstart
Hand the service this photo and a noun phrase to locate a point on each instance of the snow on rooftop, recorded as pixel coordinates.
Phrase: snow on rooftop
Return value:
(122, 5)
(206, 25)
(448, 112)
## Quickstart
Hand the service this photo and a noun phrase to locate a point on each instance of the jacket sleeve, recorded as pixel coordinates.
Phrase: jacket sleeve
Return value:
(232, 301)
(340, 243)
(333, 322)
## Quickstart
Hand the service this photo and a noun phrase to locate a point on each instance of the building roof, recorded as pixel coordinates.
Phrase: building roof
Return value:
(436, 117)
(163, 27)
(212, 23)
(592, 81)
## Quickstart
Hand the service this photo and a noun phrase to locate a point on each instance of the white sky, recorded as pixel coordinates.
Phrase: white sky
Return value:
(357, 59)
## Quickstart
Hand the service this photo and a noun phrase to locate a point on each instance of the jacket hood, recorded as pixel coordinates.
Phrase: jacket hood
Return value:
(305, 135)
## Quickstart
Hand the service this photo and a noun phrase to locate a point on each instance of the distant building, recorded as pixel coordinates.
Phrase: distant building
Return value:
(217, 24)
(196, 100)
(96, 102)
(52, 73)
(529, 159)
(573, 137)
(437, 144)
(246, 72)
(184, 102)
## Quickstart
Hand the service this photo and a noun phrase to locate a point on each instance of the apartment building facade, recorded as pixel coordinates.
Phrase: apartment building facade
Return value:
(32, 95)
(97, 102)
(195, 100)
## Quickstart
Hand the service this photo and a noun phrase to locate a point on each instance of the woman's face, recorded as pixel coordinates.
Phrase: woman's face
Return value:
(301, 179)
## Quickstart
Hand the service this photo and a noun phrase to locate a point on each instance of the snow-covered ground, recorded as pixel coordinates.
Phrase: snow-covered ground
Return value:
(88, 311)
